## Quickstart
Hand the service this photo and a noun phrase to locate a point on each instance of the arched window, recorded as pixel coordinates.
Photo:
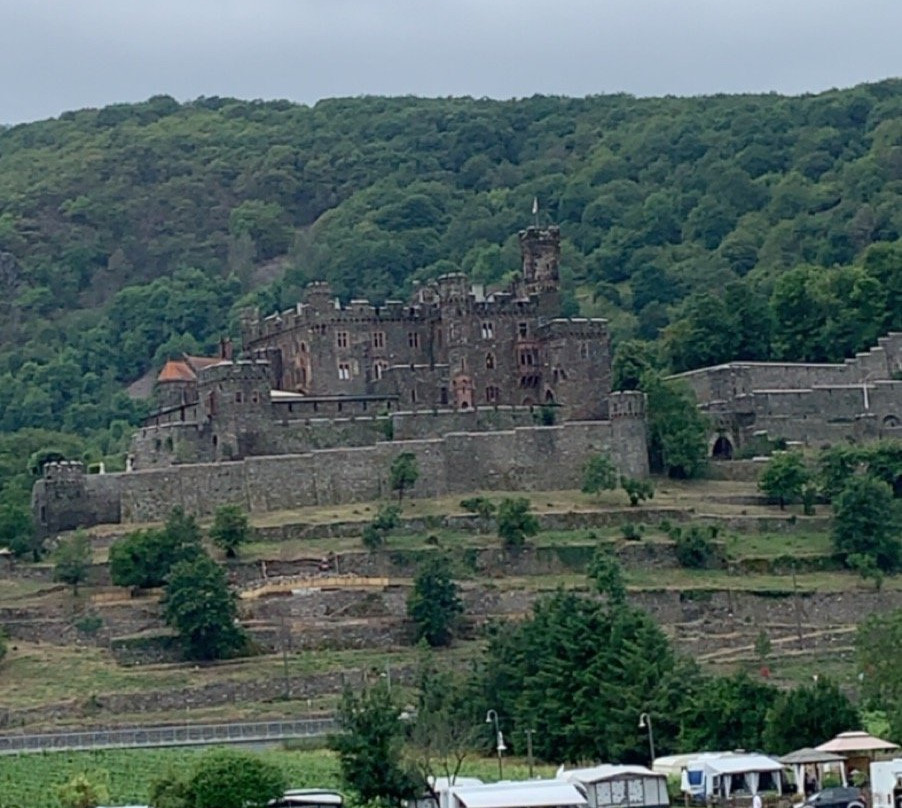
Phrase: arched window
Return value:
(490, 361)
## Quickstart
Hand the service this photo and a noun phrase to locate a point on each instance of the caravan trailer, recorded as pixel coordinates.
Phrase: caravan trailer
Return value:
(886, 783)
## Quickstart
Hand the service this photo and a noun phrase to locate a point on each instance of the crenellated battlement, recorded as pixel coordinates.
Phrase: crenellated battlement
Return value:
(627, 404)
(242, 371)
(62, 472)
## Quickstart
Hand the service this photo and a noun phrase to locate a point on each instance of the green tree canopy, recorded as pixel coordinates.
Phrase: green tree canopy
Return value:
(370, 746)
(807, 714)
(199, 605)
(515, 522)
(72, 560)
(575, 664)
(677, 430)
(221, 778)
(230, 529)
(403, 473)
(866, 522)
(784, 477)
(599, 474)
(143, 558)
(434, 604)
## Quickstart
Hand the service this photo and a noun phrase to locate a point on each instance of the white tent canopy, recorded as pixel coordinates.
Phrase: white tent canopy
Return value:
(722, 776)
(524, 794)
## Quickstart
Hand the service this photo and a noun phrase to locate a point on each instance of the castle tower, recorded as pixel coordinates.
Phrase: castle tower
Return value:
(540, 250)
(236, 404)
(629, 432)
(59, 499)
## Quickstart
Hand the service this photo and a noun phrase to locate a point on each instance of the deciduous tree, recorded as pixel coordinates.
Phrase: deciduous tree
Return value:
(403, 473)
(784, 477)
(230, 529)
(199, 605)
(72, 560)
(599, 474)
(866, 522)
(370, 746)
(434, 603)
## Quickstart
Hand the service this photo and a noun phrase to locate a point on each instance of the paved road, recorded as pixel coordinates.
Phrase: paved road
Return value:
(188, 735)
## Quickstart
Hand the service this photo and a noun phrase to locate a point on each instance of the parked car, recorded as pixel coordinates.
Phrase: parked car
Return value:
(836, 797)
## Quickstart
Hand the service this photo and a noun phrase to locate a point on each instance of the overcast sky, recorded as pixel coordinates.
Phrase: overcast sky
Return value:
(57, 55)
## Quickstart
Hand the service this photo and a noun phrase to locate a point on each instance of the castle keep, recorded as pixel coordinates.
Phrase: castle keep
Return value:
(453, 345)
(489, 390)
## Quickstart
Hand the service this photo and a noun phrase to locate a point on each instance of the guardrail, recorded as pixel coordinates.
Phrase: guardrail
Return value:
(187, 735)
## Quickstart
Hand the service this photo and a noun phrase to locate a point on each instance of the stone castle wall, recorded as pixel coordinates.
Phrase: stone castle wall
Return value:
(813, 404)
(524, 458)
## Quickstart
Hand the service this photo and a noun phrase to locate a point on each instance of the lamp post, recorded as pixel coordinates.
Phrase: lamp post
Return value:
(529, 733)
(645, 723)
(491, 717)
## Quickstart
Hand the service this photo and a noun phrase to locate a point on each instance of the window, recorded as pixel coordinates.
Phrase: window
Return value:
(492, 395)
(488, 331)
(490, 361)
(413, 395)
(523, 330)
(238, 397)
(529, 357)
(378, 339)
(413, 339)
(443, 395)
(341, 339)
(584, 350)
(344, 371)
(379, 368)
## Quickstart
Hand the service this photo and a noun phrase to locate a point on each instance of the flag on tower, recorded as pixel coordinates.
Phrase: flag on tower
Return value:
(535, 205)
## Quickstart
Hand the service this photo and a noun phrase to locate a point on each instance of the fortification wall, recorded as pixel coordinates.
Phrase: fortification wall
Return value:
(527, 458)
(429, 424)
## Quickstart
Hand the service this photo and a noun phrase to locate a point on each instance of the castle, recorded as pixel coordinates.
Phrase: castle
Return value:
(489, 390)
(816, 405)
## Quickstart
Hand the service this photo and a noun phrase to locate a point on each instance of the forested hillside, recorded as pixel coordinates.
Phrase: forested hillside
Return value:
(715, 227)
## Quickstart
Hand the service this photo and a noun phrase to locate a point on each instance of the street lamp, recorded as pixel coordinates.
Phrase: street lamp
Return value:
(645, 723)
(491, 717)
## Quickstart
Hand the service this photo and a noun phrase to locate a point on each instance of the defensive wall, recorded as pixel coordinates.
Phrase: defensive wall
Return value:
(522, 458)
(164, 442)
(857, 400)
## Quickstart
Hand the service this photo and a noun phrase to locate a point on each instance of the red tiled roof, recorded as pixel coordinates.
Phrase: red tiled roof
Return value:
(176, 370)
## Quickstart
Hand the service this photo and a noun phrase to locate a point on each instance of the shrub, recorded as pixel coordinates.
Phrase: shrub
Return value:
(515, 522)
(631, 531)
(637, 490)
(230, 529)
(484, 508)
(694, 547)
(599, 474)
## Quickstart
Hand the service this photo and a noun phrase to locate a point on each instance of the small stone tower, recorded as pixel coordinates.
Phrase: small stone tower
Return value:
(629, 431)
(59, 500)
(540, 249)
(235, 400)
